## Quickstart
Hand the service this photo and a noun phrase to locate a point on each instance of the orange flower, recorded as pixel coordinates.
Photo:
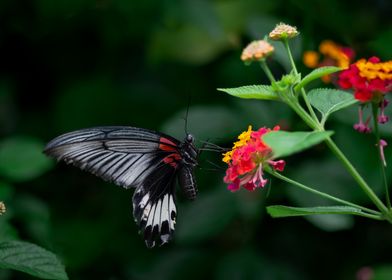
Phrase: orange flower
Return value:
(333, 55)
(311, 59)
(341, 55)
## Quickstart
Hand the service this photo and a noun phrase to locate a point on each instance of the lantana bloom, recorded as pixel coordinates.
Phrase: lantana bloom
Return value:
(333, 55)
(247, 159)
(370, 79)
(256, 51)
(283, 31)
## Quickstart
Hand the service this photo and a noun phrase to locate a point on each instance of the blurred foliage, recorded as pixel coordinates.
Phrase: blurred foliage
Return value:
(71, 64)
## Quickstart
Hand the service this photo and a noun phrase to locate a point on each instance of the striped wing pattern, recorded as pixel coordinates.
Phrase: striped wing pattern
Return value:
(129, 157)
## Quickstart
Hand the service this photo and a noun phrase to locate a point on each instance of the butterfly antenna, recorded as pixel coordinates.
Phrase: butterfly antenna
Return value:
(217, 167)
(209, 146)
(186, 116)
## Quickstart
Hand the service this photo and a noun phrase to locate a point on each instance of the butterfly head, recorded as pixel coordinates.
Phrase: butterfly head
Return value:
(189, 138)
(189, 151)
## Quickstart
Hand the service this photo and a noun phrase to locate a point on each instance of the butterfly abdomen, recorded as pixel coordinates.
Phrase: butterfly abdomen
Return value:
(187, 182)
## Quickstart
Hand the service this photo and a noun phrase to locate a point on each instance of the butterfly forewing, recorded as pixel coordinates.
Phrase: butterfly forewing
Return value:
(134, 157)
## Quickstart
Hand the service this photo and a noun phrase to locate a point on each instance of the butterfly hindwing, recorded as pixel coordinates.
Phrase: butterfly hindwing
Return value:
(154, 206)
(130, 157)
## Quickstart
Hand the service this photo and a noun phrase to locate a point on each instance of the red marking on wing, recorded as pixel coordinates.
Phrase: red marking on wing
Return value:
(172, 159)
(166, 144)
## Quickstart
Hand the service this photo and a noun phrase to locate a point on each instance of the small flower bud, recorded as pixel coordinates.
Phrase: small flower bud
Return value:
(2, 208)
(256, 51)
(283, 31)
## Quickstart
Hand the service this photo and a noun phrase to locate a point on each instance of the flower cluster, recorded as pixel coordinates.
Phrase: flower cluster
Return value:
(256, 51)
(370, 79)
(247, 159)
(283, 31)
(334, 55)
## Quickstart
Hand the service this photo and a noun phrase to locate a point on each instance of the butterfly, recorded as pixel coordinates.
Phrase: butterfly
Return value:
(139, 158)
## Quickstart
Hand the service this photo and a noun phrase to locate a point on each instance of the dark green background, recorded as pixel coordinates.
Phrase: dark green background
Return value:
(70, 64)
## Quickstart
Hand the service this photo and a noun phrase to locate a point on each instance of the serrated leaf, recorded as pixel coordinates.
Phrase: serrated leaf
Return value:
(21, 158)
(263, 92)
(31, 259)
(281, 211)
(315, 74)
(328, 101)
(285, 143)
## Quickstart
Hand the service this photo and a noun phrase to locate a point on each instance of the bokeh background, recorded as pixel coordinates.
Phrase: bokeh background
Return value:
(71, 64)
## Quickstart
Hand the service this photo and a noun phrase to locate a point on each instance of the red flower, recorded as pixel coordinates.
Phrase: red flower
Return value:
(369, 79)
(247, 159)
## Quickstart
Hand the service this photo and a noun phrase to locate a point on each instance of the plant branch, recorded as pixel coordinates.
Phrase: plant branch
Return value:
(322, 194)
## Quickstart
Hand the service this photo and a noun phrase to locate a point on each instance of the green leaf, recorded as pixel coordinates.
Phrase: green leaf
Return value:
(328, 100)
(281, 211)
(285, 143)
(252, 92)
(21, 158)
(315, 74)
(31, 259)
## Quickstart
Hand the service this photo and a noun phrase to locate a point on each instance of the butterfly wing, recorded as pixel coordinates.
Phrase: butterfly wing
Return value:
(129, 157)
(154, 206)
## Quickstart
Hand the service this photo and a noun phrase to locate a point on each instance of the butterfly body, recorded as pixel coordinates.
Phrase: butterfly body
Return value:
(135, 157)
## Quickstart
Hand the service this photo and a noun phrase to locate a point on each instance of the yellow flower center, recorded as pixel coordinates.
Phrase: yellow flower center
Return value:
(243, 138)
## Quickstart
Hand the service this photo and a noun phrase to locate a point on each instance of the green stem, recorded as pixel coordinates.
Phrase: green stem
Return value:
(312, 123)
(287, 47)
(339, 154)
(303, 92)
(357, 177)
(377, 134)
(325, 195)
(267, 71)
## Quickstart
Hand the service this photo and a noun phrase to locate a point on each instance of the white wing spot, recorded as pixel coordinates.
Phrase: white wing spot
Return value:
(144, 200)
(157, 213)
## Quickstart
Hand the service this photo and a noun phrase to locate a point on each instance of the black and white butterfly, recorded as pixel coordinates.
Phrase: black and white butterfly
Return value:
(135, 157)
